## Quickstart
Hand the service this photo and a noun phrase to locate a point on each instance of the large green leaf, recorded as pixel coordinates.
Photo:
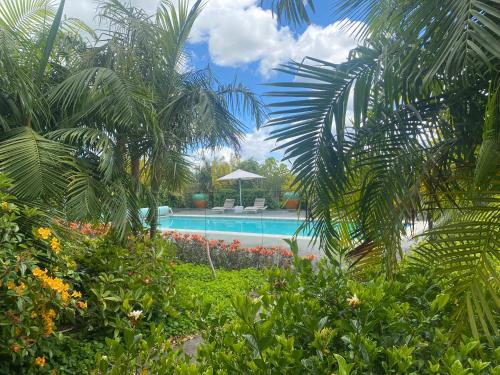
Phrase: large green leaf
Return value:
(38, 166)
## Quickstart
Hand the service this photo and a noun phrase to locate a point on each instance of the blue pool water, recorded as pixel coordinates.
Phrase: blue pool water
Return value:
(285, 227)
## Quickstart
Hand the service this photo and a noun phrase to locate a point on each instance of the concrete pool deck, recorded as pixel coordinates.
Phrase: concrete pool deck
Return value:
(266, 214)
(251, 239)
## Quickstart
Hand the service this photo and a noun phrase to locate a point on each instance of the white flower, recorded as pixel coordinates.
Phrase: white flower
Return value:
(354, 301)
(135, 314)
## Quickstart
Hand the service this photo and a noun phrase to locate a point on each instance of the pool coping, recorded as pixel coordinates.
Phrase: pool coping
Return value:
(281, 236)
(246, 216)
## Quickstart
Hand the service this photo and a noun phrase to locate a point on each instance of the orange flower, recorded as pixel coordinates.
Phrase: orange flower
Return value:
(82, 305)
(44, 233)
(15, 348)
(40, 361)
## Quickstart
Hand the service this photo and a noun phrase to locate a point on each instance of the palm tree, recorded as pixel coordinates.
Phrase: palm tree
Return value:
(29, 34)
(133, 104)
(423, 141)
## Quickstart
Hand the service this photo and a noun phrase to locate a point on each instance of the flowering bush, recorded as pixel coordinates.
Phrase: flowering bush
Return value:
(123, 280)
(37, 293)
(88, 229)
(192, 248)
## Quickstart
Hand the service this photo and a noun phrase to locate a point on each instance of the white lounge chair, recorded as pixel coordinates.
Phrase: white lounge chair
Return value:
(228, 205)
(258, 205)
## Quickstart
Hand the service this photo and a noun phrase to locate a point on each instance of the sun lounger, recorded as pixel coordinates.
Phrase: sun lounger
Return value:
(228, 205)
(258, 205)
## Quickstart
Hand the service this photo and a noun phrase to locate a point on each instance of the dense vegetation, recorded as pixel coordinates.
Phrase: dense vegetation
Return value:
(423, 142)
(92, 124)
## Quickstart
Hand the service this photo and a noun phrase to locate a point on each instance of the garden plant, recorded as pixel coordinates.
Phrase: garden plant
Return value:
(95, 124)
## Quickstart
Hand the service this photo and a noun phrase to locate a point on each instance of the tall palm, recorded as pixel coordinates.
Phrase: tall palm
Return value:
(135, 105)
(424, 140)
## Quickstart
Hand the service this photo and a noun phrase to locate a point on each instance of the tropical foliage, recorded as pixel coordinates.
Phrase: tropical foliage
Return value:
(104, 124)
(407, 129)
(325, 322)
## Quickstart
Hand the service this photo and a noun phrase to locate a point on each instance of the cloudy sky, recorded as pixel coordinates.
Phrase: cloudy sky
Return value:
(239, 38)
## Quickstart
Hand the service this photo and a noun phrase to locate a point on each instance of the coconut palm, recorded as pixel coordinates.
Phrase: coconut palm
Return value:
(423, 141)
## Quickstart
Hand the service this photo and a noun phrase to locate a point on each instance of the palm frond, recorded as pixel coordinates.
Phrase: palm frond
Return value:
(294, 11)
(37, 165)
(465, 251)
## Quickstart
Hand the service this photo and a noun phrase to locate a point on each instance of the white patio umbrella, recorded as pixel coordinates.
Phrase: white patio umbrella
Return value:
(240, 175)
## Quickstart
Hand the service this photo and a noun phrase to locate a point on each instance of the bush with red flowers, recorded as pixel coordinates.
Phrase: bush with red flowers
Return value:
(192, 248)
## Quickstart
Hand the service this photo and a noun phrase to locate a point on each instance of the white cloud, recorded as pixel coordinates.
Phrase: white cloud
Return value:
(254, 145)
(239, 32)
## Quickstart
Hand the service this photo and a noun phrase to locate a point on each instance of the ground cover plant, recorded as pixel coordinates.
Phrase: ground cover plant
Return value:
(195, 287)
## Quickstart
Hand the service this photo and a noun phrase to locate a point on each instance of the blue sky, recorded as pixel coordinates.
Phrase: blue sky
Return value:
(239, 38)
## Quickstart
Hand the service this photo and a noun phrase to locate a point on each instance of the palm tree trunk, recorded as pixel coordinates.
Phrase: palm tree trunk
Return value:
(155, 191)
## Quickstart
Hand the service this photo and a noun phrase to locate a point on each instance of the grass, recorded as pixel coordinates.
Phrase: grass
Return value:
(195, 287)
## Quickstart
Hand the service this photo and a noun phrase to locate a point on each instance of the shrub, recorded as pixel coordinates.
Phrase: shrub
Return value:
(135, 352)
(121, 279)
(326, 322)
(192, 248)
(37, 292)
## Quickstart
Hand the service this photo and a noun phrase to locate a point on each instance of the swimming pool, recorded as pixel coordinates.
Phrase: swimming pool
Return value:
(266, 226)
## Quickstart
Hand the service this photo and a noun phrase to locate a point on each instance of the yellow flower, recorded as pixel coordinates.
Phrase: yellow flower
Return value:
(144, 371)
(40, 361)
(81, 304)
(55, 245)
(33, 314)
(11, 285)
(44, 233)
(20, 288)
(5, 206)
(76, 294)
(354, 301)
(38, 273)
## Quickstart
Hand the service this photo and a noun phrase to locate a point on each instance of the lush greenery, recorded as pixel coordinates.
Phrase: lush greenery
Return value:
(423, 142)
(326, 322)
(196, 289)
(92, 125)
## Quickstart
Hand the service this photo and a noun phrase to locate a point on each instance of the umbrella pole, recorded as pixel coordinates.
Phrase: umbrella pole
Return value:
(241, 203)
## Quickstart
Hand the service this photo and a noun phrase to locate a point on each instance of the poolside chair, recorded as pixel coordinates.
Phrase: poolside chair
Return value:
(164, 211)
(258, 205)
(228, 205)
